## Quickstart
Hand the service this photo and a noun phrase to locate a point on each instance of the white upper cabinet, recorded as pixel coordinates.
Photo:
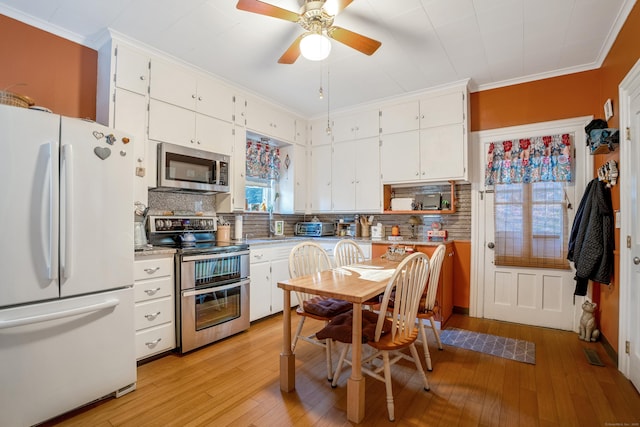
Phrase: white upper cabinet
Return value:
(265, 119)
(425, 140)
(319, 134)
(441, 110)
(183, 87)
(400, 157)
(170, 123)
(320, 179)
(364, 124)
(400, 118)
(356, 176)
(430, 111)
(173, 83)
(301, 131)
(132, 69)
(300, 167)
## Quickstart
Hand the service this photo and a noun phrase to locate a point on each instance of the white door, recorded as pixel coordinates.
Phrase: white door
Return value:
(540, 297)
(320, 177)
(632, 159)
(525, 295)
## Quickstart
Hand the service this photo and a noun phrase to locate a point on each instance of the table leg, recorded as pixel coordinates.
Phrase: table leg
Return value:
(287, 358)
(355, 384)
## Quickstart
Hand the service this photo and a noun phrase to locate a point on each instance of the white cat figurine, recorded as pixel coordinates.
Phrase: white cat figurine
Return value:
(588, 330)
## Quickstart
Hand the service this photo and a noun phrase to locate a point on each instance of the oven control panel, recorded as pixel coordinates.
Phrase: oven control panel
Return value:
(159, 224)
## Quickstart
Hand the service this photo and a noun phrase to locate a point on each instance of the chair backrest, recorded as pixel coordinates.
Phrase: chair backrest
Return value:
(407, 286)
(347, 252)
(307, 258)
(435, 266)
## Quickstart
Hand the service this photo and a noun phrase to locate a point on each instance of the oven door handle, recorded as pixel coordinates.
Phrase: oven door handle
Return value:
(213, 256)
(197, 292)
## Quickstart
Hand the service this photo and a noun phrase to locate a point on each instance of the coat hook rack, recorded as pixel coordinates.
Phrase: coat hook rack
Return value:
(608, 173)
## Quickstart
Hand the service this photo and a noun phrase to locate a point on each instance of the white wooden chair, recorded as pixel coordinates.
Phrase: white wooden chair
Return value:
(428, 310)
(309, 258)
(347, 252)
(400, 330)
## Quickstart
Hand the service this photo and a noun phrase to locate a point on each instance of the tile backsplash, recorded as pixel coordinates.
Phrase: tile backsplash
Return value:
(256, 224)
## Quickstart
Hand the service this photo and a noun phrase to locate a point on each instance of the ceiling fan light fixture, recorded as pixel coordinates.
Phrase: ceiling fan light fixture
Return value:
(315, 47)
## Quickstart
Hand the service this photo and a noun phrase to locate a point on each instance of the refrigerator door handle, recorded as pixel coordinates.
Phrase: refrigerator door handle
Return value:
(66, 236)
(48, 215)
(47, 317)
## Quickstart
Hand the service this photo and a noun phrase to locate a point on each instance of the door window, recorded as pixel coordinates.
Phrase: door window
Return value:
(531, 225)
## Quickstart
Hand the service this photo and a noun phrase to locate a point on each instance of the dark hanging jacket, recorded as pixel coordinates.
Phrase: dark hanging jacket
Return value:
(591, 242)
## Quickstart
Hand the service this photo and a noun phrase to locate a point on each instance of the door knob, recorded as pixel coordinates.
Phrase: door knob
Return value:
(636, 260)
(490, 245)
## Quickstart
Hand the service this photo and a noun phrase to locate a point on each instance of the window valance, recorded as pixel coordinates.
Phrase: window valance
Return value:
(537, 159)
(263, 160)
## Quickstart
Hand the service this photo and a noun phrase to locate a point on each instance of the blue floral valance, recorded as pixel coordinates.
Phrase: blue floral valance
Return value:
(542, 158)
(263, 160)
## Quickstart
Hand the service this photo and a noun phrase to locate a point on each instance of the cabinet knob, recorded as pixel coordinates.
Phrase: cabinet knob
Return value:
(192, 141)
(142, 77)
(193, 96)
(199, 98)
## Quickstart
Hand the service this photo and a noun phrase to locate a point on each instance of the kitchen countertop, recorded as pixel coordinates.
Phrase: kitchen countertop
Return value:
(155, 251)
(286, 239)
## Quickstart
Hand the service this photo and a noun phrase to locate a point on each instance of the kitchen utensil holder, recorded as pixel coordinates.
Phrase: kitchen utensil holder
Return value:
(223, 234)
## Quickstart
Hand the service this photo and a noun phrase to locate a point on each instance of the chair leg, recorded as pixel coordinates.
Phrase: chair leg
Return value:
(336, 374)
(436, 333)
(387, 384)
(298, 332)
(416, 360)
(425, 346)
(327, 344)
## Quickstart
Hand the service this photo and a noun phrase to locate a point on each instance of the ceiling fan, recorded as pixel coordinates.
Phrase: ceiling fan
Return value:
(316, 17)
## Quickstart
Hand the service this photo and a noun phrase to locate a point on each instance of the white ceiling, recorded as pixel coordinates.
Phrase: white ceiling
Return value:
(425, 43)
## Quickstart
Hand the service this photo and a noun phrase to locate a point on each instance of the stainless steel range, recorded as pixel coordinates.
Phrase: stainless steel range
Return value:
(212, 279)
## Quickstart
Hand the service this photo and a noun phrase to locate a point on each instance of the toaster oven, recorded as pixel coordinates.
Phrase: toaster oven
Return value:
(315, 229)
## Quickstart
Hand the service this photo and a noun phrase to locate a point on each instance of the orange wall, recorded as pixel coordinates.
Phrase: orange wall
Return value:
(539, 101)
(58, 74)
(563, 97)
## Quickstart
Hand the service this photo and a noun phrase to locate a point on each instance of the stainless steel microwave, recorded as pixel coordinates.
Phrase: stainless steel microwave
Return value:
(186, 169)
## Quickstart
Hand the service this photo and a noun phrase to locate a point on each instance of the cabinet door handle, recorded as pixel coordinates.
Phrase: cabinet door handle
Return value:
(151, 270)
(152, 316)
(151, 291)
(153, 343)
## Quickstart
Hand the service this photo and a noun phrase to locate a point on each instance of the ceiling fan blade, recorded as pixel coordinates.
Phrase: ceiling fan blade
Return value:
(290, 56)
(257, 6)
(333, 7)
(354, 40)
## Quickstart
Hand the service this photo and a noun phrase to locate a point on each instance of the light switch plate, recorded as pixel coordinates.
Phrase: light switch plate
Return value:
(140, 171)
(608, 109)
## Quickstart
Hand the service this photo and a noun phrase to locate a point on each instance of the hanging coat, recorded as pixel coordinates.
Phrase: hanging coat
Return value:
(591, 242)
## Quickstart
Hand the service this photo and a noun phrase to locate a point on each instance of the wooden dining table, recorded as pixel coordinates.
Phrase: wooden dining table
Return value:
(349, 285)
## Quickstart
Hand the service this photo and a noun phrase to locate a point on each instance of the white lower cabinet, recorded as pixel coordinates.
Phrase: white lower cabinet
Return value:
(154, 305)
(269, 264)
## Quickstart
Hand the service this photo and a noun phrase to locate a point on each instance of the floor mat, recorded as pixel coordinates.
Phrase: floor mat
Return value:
(508, 348)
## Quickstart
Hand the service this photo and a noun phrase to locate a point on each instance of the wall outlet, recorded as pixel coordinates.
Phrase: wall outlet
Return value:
(140, 171)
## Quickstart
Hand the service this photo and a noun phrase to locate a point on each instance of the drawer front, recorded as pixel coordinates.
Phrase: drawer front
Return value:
(145, 290)
(260, 255)
(154, 313)
(152, 267)
(155, 340)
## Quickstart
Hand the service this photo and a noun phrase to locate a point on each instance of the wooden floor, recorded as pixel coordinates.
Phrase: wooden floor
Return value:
(235, 382)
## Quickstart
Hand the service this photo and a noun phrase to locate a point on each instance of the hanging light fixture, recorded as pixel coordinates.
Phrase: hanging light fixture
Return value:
(315, 46)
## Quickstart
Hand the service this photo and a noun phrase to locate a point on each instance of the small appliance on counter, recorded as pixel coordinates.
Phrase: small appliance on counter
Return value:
(315, 229)
(377, 232)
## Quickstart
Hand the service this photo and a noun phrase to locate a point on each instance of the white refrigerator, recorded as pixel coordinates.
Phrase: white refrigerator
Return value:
(66, 264)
